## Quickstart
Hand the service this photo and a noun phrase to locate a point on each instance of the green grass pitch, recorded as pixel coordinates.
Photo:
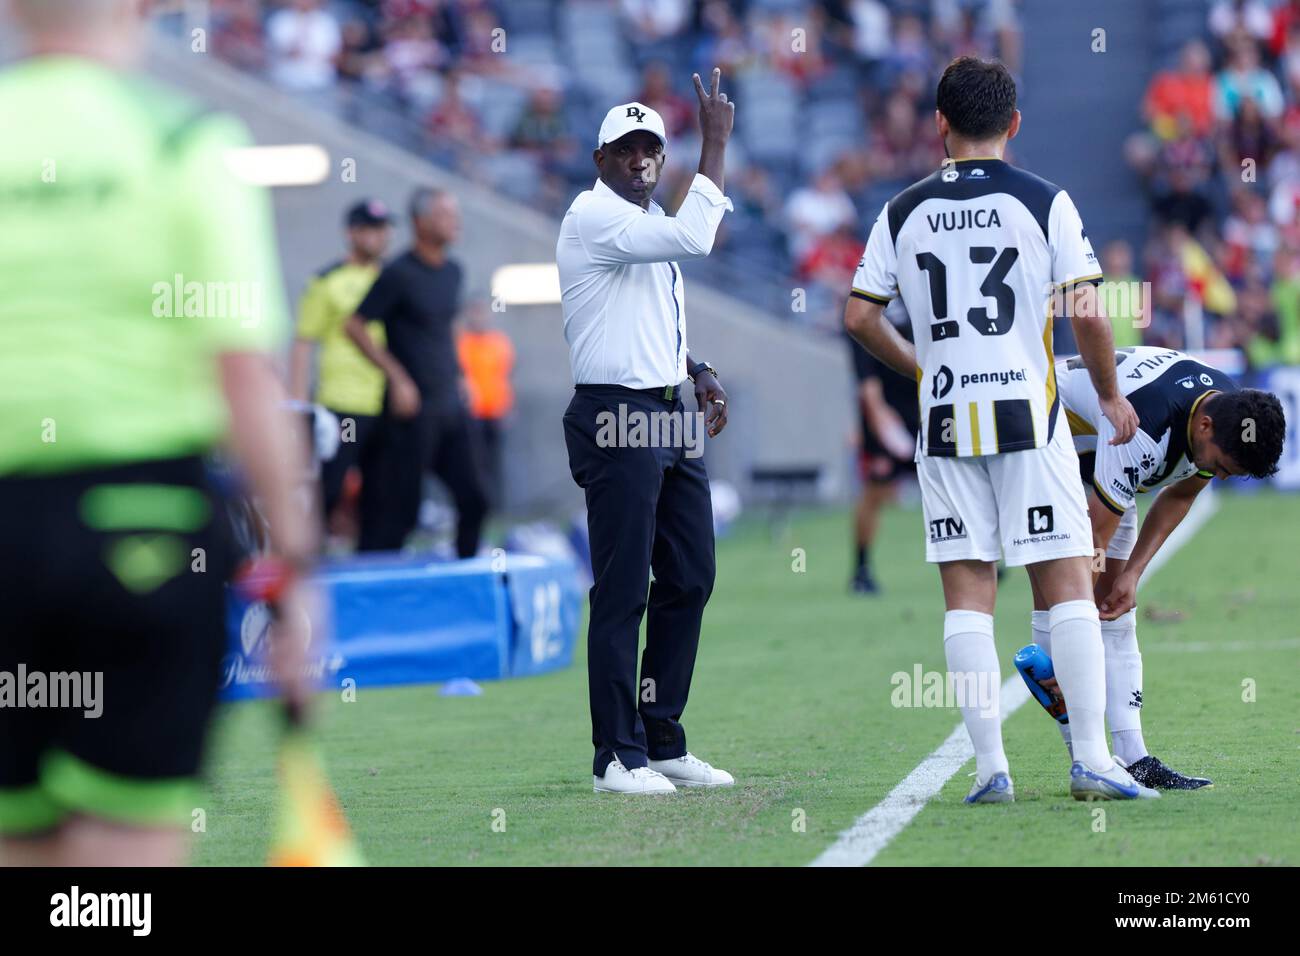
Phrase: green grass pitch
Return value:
(792, 694)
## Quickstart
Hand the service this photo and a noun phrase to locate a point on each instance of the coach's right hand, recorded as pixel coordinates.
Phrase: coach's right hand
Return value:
(403, 396)
(1119, 412)
(717, 113)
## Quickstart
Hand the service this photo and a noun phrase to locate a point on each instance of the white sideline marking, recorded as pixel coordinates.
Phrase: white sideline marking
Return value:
(873, 831)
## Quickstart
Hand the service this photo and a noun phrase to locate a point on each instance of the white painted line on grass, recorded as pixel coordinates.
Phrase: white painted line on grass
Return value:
(873, 831)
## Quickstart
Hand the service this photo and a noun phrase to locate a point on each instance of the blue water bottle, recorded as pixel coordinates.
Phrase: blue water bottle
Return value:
(1035, 666)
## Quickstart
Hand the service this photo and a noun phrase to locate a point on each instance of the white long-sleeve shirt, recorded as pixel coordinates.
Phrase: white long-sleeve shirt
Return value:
(624, 307)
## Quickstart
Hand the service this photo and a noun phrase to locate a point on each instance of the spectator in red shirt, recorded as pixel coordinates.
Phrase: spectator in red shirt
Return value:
(1182, 96)
(833, 258)
(1285, 18)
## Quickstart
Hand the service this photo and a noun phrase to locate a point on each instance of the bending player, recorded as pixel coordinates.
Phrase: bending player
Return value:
(1194, 425)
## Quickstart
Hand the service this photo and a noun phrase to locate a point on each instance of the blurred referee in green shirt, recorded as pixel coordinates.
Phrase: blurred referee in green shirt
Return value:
(346, 382)
(114, 194)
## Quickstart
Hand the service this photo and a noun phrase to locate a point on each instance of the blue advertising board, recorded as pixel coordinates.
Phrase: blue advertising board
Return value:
(390, 620)
(1284, 381)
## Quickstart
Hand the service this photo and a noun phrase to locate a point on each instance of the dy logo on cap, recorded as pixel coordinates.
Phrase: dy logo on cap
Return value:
(634, 112)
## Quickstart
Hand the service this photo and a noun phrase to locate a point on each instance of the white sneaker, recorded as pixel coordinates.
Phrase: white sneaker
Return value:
(618, 779)
(691, 771)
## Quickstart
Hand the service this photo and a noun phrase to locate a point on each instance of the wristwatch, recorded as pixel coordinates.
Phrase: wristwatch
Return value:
(702, 367)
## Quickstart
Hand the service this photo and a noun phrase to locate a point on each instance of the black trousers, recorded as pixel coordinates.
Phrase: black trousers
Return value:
(647, 509)
(488, 442)
(359, 446)
(434, 439)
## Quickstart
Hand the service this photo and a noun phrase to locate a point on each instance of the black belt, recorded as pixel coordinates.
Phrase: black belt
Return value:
(665, 392)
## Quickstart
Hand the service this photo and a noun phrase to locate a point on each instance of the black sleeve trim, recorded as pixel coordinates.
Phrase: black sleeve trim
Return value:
(1098, 279)
(1101, 495)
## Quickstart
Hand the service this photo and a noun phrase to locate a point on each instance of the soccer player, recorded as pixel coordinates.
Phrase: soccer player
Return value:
(347, 384)
(114, 551)
(976, 251)
(887, 407)
(1194, 425)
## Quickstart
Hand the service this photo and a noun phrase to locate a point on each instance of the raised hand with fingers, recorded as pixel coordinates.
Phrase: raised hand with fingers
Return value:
(717, 113)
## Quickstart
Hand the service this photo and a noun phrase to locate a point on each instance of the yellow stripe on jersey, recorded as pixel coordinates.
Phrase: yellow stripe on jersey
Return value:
(1077, 425)
(975, 428)
(1051, 364)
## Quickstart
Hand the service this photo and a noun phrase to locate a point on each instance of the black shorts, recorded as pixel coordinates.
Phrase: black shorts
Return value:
(359, 450)
(876, 466)
(114, 593)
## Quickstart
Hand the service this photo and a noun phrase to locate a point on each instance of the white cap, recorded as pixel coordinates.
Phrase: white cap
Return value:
(622, 120)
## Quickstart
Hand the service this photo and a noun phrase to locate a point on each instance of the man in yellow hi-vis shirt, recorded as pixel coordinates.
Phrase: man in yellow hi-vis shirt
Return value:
(346, 382)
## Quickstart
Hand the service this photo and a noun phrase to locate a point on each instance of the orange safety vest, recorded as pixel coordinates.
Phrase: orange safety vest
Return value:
(486, 358)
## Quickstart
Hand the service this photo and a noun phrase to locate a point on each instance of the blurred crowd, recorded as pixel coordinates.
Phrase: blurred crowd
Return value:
(835, 117)
(836, 101)
(1220, 159)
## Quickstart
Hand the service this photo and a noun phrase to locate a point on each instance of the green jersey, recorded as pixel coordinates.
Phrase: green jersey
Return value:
(132, 257)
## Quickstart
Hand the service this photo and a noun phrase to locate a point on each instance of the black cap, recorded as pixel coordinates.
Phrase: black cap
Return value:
(369, 212)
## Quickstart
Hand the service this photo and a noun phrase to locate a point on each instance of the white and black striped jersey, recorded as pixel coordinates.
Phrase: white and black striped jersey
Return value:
(1165, 388)
(976, 251)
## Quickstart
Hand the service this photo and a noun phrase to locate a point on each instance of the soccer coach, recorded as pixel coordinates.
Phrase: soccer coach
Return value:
(647, 507)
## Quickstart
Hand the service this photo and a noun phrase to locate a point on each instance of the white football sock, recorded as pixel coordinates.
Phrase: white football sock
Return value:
(1124, 686)
(1080, 665)
(1040, 624)
(973, 672)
